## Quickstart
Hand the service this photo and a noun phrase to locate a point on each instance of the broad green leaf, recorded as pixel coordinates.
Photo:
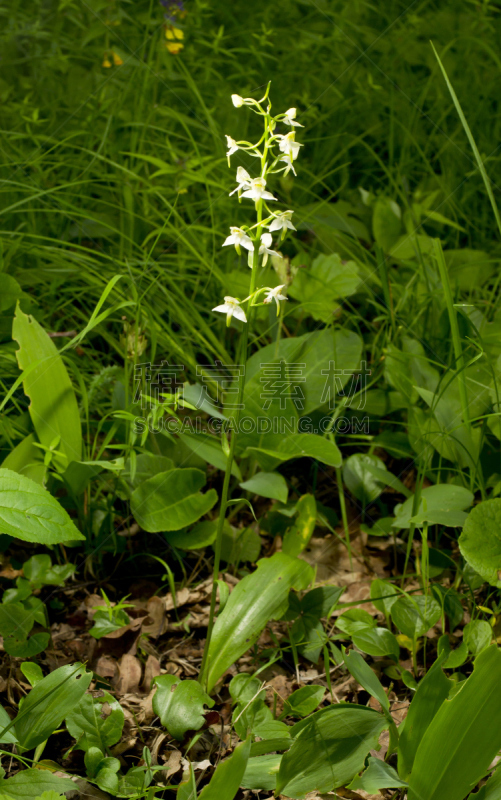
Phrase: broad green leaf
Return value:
(262, 770)
(303, 701)
(239, 544)
(366, 678)
(53, 406)
(209, 448)
(355, 619)
(307, 372)
(359, 480)
(386, 223)
(329, 749)
(300, 445)
(228, 776)
(319, 602)
(8, 737)
(480, 541)
(32, 783)
(309, 636)
(296, 539)
(258, 598)
(201, 535)
(15, 620)
(171, 500)
(147, 466)
(463, 738)
(384, 595)
(26, 648)
(415, 614)
(94, 726)
(11, 291)
(27, 459)
(49, 702)
(267, 484)
(180, 704)
(477, 635)
(377, 642)
(40, 571)
(445, 504)
(29, 512)
(431, 692)
(327, 280)
(378, 775)
(490, 790)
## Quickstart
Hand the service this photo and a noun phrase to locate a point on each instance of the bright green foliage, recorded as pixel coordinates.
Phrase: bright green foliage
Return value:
(96, 722)
(329, 748)
(53, 406)
(180, 704)
(49, 702)
(171, 500)
(463, 737)
(29, 512)
(258, 598)
(480, 541)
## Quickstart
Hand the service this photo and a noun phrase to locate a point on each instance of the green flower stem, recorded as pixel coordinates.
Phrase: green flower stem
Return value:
(456, 339)
(229, 463)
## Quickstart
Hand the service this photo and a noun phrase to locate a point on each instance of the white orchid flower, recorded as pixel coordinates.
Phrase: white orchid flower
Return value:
(231, 307)
(243, 181)
(257, 190)
(232, 147)
(290, 166)
(289, 146)
(274, 294)
(238, 101)
(290, 118)
(264, 250)
(282, 222)
(239, 238)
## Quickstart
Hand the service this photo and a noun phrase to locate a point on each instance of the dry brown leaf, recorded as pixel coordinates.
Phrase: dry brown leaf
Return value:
(151, 670)
(155, 623)
(106, 667)
(129, 674)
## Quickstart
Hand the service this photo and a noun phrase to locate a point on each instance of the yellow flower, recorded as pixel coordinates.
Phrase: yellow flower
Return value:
(106, 61)
(174, 37)
(174, 47)
(116, 59)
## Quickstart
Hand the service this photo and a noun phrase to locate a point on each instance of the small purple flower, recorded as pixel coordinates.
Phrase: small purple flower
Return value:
(175, 10)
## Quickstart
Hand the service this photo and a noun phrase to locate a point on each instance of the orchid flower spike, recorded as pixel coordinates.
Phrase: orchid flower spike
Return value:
(239, 238)
(282, 222)
(264, 250)
(257, 190)
(289, 146)
(243, 181)
(275, 294)
(232, 147)
(290, 118)
(231, 307)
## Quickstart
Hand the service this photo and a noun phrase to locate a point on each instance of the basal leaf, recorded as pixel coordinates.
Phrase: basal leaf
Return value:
(29, 512)
(480, 541)
(329, 749)
(53, 406)
(463, 737)
(49, 702)
(180, 704)
(259, 597)
(171, 500)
